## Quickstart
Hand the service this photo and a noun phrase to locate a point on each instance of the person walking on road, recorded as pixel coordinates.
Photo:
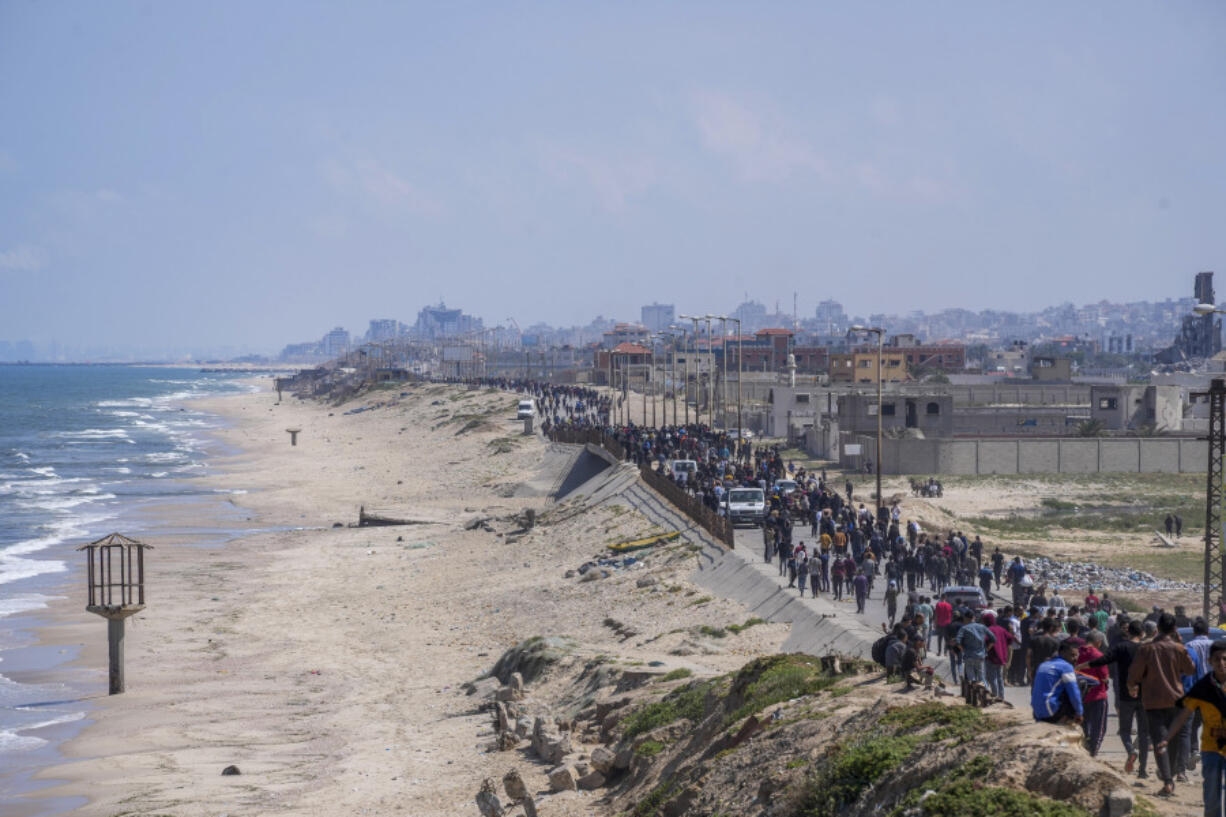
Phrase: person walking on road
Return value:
(1207, 699)
(860, 585)
(974, 639)
(1127, 706)
(1156, 676)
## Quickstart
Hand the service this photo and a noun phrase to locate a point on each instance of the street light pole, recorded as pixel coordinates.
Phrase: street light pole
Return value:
(740, 425)
(880, 339)
(697, 372)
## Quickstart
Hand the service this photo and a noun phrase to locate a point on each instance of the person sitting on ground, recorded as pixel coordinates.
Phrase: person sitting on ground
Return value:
(1055, 696)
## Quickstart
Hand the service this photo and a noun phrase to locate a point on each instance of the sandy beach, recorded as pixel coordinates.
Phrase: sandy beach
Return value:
(325, 662)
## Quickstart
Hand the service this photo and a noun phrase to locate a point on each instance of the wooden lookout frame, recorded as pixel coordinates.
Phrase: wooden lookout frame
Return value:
(115, 576)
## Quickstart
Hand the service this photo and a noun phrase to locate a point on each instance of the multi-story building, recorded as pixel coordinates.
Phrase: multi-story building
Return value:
(383, 329)
(624, 333)
(434, 322)
(657, 316)
(860, 366)
(335, 343)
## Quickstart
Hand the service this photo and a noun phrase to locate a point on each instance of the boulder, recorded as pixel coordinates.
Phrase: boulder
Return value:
(483, 688)
(645, 581)
(591, 780)
(523, 727)
(554, 748)
(508, 694)
(1119, 803)
(517, 682)
(603, 759)
(514, 785)
(487, 799)
(562, 778)
(623, 758)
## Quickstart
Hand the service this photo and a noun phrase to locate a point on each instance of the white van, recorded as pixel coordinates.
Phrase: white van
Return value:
(683, 471)
(527, 408)
(745, 505)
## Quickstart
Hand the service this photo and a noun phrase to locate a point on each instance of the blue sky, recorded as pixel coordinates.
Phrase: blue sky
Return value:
(257, 172)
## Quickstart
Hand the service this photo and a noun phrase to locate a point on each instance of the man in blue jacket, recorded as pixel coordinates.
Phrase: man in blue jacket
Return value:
(1055, 697)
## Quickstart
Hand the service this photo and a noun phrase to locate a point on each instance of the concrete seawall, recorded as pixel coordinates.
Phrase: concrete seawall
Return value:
(819, 626)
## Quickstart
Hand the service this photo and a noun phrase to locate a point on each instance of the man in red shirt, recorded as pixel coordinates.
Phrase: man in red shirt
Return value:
(943, 613)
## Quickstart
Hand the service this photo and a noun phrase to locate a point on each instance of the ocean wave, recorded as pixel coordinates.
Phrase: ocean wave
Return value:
(61, 503)
(11, 740)
(24, 603)
(138, 402)
(163, 457)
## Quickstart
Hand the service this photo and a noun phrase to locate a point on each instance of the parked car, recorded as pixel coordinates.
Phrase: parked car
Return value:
(1215, 633)
(786, 486)
(965, 595)
(527, 408)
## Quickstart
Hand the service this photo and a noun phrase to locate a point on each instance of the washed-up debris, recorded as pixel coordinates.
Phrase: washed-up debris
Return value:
(1086, 574)
(615, 564)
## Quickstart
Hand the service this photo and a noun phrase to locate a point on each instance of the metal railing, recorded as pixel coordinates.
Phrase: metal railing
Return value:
(718, 526)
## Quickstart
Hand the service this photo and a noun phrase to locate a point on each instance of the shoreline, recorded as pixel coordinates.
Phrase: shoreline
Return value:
(326, 662)
(62, 627)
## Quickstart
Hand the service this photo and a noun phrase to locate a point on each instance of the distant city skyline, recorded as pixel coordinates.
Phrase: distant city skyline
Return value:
(193, 176)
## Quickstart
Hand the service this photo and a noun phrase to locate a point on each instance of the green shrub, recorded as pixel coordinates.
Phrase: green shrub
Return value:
(649, 748)
(739, 628)
(962, 722)
(687, 702)
(968, 798)
(849, 771)
(677, 674)
(713, 632)
(650, 805)
(775, 678)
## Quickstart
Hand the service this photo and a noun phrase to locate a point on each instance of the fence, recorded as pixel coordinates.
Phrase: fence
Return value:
(718, 526)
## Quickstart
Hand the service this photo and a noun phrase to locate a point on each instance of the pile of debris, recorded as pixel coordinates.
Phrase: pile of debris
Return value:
(1086, 574)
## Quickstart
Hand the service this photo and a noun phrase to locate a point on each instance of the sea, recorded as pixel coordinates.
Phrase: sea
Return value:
(86, 451)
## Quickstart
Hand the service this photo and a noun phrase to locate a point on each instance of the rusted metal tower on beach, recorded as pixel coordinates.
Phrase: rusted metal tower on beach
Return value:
(116, 580)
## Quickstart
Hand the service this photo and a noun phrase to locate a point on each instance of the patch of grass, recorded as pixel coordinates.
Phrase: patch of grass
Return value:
(701, 600)
(961, 722)
(968, 798)
(686, 702)
(713, 632)
(503, 445)
(650, 805)
(677, 674)
(740, 628)
(796, 763)
(1058, 504)
(775, 678)
(649, 748)
(848, 771)
(1143, 808)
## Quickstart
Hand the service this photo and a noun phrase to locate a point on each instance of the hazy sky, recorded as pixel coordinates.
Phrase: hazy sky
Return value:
(258, 172)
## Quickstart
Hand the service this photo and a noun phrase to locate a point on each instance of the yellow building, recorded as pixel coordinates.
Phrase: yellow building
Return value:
(861, 367)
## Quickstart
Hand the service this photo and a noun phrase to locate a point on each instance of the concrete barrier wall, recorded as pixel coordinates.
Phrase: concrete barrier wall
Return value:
(1058, 455)
(1038, 457)
(818, 627)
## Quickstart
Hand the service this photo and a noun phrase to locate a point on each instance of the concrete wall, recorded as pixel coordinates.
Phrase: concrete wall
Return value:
(1025, 455)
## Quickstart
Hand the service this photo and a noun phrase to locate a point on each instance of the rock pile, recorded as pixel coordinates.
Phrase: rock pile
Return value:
(1086, 574)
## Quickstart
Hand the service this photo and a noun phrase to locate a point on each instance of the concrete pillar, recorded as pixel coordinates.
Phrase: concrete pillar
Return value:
(114, 635)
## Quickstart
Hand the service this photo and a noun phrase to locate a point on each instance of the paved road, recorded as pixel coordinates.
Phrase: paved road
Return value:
(749, 548)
